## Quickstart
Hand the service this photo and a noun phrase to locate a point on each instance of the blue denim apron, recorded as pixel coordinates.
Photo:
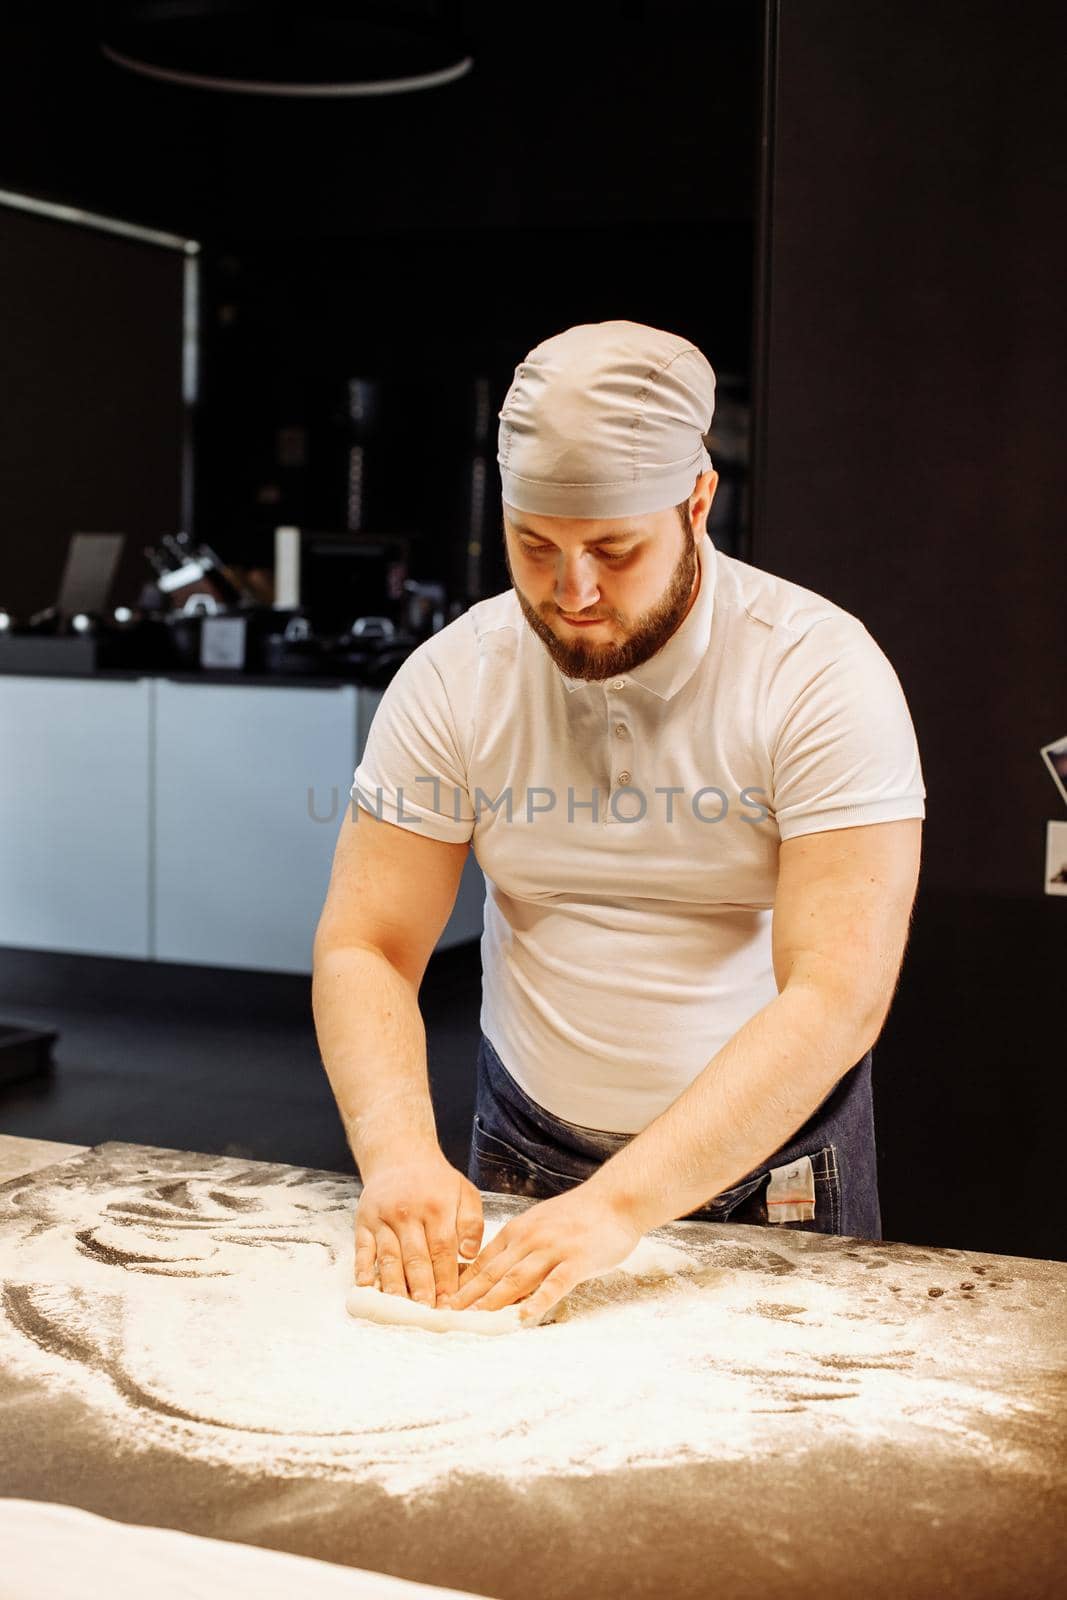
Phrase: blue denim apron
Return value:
(517, 1147)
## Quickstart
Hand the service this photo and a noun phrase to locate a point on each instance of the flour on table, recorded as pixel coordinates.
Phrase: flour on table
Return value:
(196, 1305)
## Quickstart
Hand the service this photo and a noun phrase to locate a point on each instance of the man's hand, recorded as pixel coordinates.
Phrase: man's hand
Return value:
(546, 1252)
(413, 1218)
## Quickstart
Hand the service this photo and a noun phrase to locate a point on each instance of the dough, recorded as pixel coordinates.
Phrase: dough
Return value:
(378, 1307)
(650, 1258)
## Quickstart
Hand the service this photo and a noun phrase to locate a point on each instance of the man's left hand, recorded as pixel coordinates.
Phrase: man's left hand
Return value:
(545, 1253)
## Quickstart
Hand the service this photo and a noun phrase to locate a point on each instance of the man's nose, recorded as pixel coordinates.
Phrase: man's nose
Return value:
(576, 588)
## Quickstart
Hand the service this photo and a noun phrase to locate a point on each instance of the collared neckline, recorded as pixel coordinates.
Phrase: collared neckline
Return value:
(671, 668)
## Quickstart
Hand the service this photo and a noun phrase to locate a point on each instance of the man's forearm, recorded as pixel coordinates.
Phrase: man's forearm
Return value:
(745, 1104)
(373, 1044)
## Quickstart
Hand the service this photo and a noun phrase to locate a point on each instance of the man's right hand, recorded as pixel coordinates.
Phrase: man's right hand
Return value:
(413, 1218)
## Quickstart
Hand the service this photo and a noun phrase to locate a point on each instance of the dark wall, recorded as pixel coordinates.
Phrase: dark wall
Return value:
(92, 434)
(425, 319)
(911, 466)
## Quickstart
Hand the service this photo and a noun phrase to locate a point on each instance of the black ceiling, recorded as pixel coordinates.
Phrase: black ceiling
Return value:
(623, 113)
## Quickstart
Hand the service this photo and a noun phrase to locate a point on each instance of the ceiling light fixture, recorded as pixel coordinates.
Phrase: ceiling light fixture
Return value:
(297, 51)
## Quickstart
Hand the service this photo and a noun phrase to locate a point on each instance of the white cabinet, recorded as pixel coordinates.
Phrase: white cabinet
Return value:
(75, 762)
(183, 821)
(249, 787)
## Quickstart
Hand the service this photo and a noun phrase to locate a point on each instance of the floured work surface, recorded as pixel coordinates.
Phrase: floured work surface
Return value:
(792, 1411)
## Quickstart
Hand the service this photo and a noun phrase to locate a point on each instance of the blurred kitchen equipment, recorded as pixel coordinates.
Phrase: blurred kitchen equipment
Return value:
(424, 613)
(331, 577)
(372, 649)
(183, 569)
(295, 651)
(372, 628)
(77, 634)
(223, 643)
(88, 573)
(216, 638)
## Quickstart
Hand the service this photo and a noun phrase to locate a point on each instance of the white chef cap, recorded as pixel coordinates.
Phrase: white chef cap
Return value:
(606, 419)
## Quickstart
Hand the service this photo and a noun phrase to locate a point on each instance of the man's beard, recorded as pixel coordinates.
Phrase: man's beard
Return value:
(599, 659)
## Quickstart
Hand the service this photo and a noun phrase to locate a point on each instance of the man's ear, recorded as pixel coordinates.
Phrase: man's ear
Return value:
(700, 500)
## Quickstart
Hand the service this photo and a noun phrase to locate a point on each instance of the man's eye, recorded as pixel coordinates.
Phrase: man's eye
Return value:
(605, 555)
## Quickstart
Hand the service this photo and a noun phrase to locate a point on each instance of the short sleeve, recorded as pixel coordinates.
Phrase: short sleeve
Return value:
(842, 745)
(412, 771)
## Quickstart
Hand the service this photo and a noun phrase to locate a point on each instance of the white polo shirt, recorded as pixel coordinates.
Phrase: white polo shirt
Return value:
(624, 945)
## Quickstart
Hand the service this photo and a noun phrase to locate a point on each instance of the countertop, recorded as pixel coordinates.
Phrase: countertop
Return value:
(21, 1156)
(789, 1414)
(205, 675)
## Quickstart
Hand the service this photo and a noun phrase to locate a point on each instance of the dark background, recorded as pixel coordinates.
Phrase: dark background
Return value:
(421, 243)
(910, 464)
(94, 434)
(856, 212)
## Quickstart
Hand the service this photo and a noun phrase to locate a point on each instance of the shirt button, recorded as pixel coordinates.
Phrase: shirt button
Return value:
(620, 683)
(624, 777)
(620, 729)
